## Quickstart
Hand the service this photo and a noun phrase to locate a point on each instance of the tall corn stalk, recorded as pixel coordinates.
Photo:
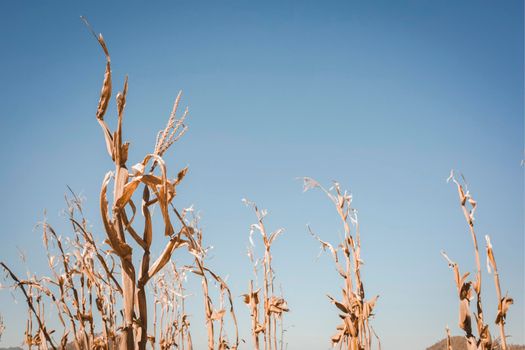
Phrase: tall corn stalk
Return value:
(86, 278)
(157, 189)
(503, 302)
(274, 306)
(484, 339)
(355, 332)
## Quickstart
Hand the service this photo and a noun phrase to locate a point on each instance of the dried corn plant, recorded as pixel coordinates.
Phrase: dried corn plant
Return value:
(449, 341)
(92, 287)
(81, 290)
(273, 306)
(354, 332)
(171, 325)
(466, 288)
(214, 315)
(503, 302)
(157, 189)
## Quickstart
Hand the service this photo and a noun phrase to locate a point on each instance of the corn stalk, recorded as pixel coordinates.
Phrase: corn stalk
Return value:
(503, 302)
(81, 289)
(355, 332)
(171, 326)
(214, 315)
(158, 189)
(465, 288)
(274, 306)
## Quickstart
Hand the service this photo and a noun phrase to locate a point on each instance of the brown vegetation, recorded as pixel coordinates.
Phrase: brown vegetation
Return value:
(84, 286)
(273, 305)
(483, 340)
(355, 333)
(95, 296)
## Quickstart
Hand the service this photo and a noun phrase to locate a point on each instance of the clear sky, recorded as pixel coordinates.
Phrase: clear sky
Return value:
(384, 96)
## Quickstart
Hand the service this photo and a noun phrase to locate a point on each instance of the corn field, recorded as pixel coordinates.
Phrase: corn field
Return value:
(115, 294)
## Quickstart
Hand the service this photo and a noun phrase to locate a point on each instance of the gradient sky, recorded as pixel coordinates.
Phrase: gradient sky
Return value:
(386, 97)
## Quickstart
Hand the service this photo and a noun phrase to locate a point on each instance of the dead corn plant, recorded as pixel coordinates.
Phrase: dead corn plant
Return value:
(449, 341)
(355, 332)
(157, 189)
(118, 219)
(215, 316)
(85, 276)
(81, 290)
(273, 305)
(466, 288)
(171, 325)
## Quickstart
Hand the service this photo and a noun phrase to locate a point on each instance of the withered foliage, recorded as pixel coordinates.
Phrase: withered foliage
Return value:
(449, 340)
(113, 279)
(214, 315)
(273, 306)
(468, 289)
(355, 332)
(157, 189)
(170, 321)
(82, 290)
(95, 294)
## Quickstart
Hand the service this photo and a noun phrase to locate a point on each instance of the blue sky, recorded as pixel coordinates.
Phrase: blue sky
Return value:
(386, 97)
